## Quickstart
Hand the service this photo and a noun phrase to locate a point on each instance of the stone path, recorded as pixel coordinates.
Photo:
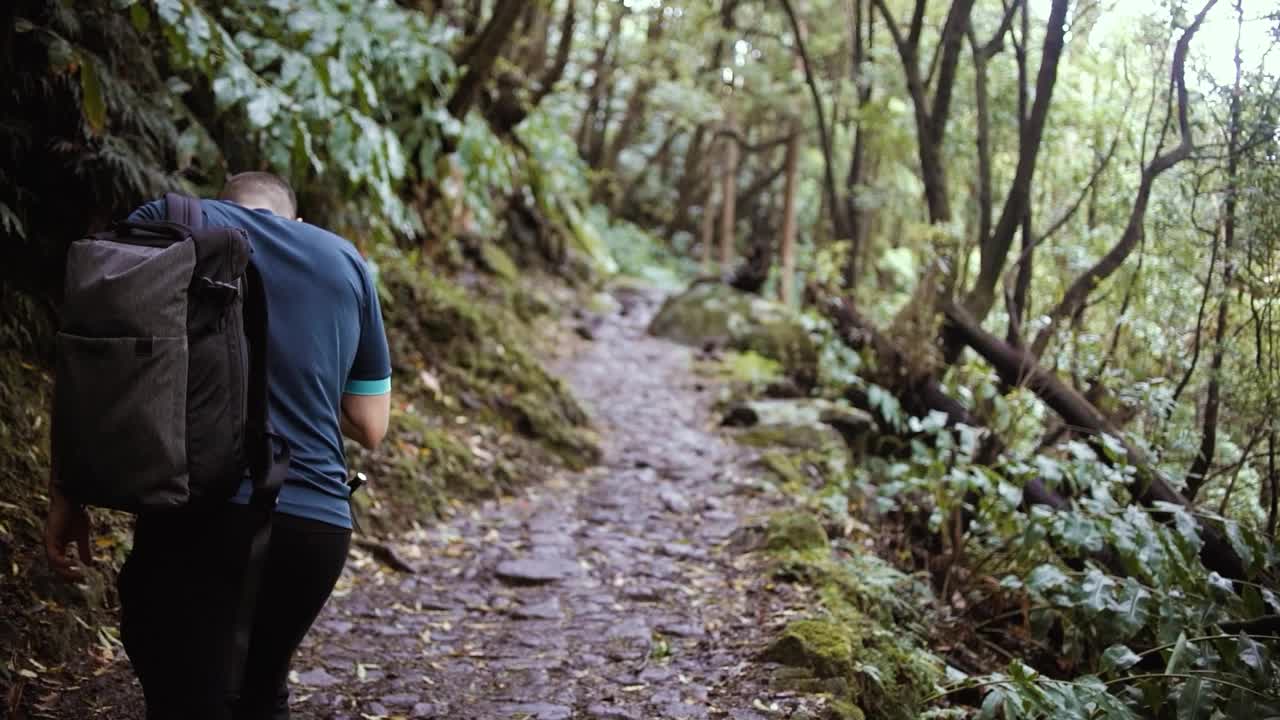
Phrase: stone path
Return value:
(613, 594)
(602, 595)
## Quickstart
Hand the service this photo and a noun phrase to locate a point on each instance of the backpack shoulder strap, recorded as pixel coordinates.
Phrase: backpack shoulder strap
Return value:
(184, 210)
(268, 456)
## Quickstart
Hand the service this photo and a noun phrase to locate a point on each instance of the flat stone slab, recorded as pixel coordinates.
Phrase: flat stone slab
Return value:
(318, 678)
(546, 610)
(600, 711)
(535, 571)
(538, 711)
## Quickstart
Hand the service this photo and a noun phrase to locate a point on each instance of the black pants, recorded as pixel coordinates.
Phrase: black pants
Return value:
(179, 592)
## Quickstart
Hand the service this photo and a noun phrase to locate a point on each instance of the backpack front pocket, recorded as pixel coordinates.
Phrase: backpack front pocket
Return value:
(120, 435)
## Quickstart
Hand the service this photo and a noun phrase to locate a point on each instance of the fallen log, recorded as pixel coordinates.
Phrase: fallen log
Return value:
(919, 395)
(1017, 366)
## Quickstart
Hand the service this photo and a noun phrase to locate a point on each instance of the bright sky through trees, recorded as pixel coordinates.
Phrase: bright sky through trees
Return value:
(1214, 45)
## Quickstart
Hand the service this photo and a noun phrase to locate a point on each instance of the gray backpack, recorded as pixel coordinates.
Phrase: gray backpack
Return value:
(160, 400)
(161, 395)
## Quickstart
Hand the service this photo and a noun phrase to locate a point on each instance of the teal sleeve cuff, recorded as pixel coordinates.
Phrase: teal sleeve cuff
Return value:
(368, 387)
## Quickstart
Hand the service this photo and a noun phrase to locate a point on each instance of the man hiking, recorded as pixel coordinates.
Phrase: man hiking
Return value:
(329, 375)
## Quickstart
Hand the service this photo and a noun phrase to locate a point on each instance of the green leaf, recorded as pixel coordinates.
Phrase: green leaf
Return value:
(1119, 657)
(262, 110)
(1250, 653)
(61, 55)
(1114, 449)
(1240, 543)
(1046, 577)
(170, 10)
(992, 704)
(1178, 655)
(11, 223)
(1097, 591)
(140, 18)
(1195, 702)
(93, 106)
(1132, 607)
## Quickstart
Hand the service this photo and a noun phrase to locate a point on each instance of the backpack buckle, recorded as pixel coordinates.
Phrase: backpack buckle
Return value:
(226, 292)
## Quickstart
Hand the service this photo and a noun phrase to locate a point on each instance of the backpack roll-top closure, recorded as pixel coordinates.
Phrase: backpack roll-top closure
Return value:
(117, 289)
(121, 400)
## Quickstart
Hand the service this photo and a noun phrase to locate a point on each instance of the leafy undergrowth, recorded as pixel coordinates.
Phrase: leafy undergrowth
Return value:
(44, 619)
(937, 594)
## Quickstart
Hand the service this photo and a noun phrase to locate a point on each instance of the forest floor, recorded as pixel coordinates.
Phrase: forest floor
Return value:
(622, 592)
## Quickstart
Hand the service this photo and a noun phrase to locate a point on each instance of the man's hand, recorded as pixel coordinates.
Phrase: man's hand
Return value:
(68, 522)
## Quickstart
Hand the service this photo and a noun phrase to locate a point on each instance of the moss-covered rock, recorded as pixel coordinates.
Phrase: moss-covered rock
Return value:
(791, 469)
(840, 709)
(713, 312)
(867, 669)
(798, 411)
(796, 532)
(813, 436)
(864, 647)
(576, 446)
(822, 647)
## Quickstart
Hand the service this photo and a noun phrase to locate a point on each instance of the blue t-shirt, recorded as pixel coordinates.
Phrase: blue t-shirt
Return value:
(325, 338)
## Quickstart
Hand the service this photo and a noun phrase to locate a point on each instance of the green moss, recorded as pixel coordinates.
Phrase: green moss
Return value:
(497, 261)
(866, 668)
(791, 469)
(586, 238)
(815, 436)
(865, 648)
(822, 647)
(472, 402)
(844, 710)
(576, 446)
(796, 532)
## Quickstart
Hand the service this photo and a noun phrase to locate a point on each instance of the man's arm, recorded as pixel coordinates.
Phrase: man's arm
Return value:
(366, 397)
(364, 418)
(67, 522)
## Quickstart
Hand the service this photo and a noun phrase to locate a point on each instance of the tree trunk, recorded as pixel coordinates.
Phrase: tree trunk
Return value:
(983, 112)
(693, 177)
(839, 223)
(707, 232)
(995, 248)
(931, 116)
(1018, 308)
(634, 114)
(555, 71)
(788, 245)
(589, 128)
(859, 224)
(1273, 484)
(481, 56)
(1199, 470)
(729, 197)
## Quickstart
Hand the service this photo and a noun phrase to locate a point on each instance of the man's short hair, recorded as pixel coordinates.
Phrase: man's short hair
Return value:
(261, 189)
